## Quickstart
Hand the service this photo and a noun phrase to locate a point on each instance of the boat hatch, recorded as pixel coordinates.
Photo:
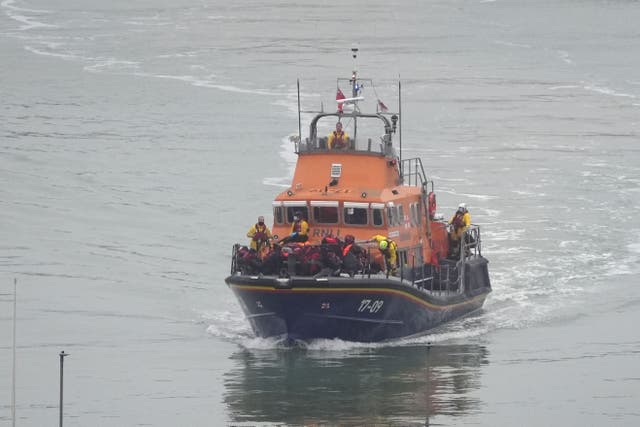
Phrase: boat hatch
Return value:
(336, 170)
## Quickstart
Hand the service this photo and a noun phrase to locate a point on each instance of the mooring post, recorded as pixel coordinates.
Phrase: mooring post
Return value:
(62, 356)
(13, 368)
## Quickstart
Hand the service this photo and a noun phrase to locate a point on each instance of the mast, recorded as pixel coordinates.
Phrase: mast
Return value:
(400, 126)
(355, 88)
(299, 119)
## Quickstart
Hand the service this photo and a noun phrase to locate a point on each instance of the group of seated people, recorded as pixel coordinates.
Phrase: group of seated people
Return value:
(330, 258)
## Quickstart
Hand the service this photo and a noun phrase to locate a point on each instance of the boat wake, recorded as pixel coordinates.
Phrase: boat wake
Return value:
(29, 18)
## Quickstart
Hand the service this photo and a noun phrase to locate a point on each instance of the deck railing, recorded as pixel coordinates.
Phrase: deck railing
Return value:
(445, 278)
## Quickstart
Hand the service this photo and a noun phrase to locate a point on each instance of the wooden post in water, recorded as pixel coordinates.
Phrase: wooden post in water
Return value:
(13, 371)
(62, 356)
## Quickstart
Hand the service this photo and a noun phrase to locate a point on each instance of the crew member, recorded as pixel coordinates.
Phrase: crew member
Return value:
(299, 229)
(259, 234)
(388, 248)
(338, 139)
(460, 222)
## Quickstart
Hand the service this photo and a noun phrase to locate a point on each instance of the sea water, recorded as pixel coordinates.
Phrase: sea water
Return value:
(140, 140)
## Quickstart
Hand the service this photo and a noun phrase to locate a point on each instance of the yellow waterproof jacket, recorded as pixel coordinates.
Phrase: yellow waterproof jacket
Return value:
(302, 227)
(258, 233)
(461, 223)
(391, 253)
(341, 141)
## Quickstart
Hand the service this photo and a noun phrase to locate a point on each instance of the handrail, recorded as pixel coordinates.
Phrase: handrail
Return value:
(413, 173)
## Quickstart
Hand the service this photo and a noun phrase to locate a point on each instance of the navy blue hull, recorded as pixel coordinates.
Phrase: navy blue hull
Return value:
(351, 309)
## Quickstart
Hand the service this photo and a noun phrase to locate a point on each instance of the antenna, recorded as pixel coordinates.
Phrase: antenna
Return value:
(354, 75)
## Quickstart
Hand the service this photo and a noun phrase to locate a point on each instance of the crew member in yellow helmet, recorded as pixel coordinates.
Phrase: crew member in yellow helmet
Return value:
(388, 248)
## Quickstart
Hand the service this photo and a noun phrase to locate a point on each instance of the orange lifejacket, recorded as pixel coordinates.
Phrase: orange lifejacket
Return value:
(432, 205)
(346, 249)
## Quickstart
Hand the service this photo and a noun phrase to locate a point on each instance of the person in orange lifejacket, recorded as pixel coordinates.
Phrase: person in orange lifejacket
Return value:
(353, 256)
(259, 234)
(338, 139)
(388, 248)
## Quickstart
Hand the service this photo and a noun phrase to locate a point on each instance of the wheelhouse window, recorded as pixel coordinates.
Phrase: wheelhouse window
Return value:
(356, 213)
(325, 214)
(391, 215)
(278, 214)
(291, 211)
(412, 214)
(415, 213)
(325, 211)
(377, 214)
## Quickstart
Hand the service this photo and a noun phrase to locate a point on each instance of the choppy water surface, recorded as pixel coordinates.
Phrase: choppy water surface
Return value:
(139, 141)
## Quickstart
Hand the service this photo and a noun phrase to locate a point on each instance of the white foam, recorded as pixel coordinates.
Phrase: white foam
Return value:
(9, 4)
(189, 54)
(478, 196)
(564, 87)
(29, 22)
(111, 65)
(512, 44)
(564, 55)
(67, 56)
(230, 330)
(634, 247)
(147, 23)
(609, 91)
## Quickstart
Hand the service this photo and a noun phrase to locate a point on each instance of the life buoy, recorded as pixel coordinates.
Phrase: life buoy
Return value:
(432, 205)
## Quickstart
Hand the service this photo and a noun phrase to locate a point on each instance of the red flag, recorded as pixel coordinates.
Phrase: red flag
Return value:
(339, 96)
(383, 107)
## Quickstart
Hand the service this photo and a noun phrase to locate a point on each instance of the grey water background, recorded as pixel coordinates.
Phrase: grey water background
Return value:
(139, 141)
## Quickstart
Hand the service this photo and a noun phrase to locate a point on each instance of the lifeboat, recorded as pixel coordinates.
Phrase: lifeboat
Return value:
(338, 283)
